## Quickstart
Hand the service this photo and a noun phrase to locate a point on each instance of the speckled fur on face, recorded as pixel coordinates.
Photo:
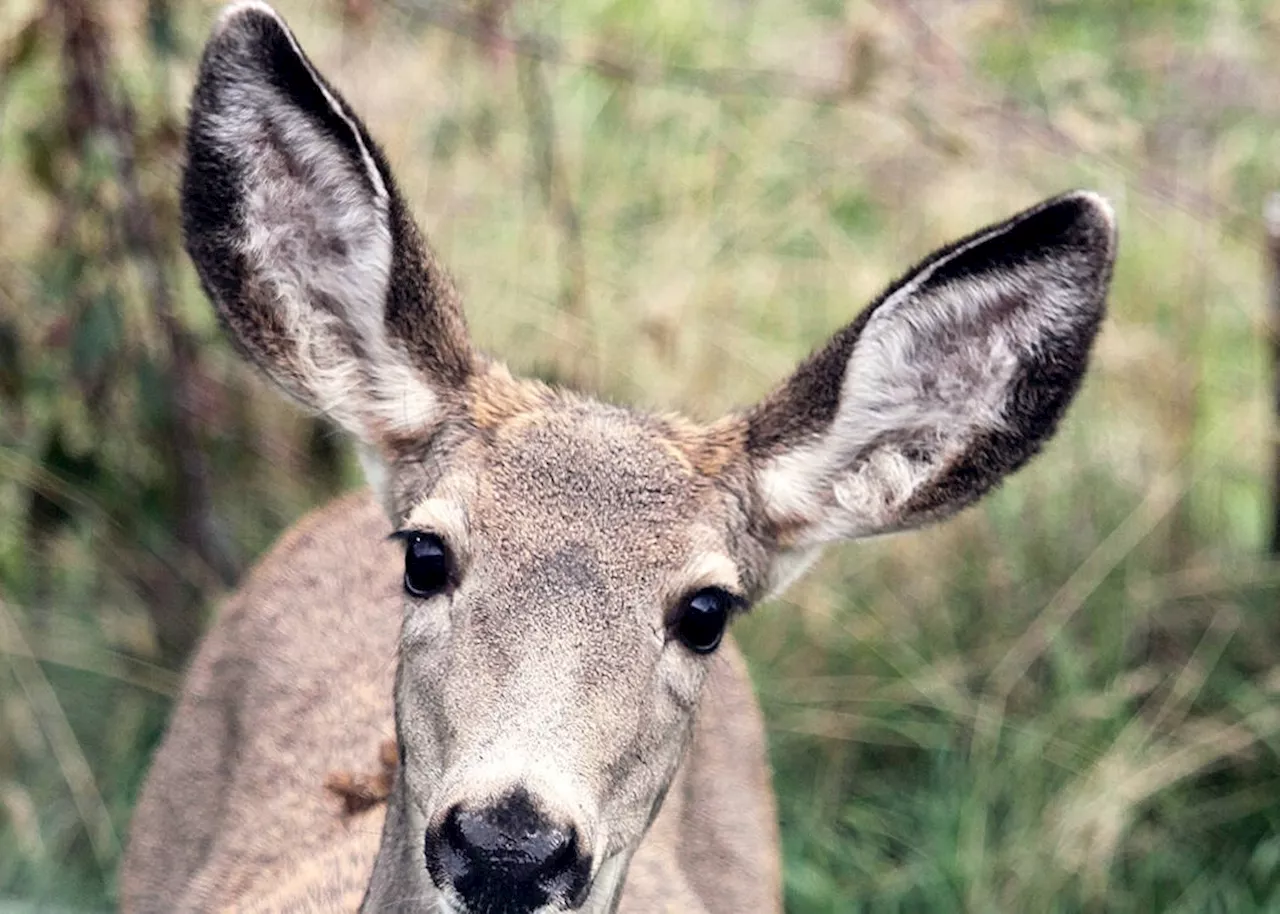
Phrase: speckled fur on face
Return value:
(582, 527)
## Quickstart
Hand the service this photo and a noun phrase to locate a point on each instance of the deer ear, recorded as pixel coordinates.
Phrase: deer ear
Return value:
(946, 384)
(305, 246)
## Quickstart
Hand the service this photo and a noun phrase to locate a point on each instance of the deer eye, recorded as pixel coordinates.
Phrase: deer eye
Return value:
(426, 565)
(702, 618)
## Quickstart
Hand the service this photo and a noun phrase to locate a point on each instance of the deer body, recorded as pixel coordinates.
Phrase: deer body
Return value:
(544, 631)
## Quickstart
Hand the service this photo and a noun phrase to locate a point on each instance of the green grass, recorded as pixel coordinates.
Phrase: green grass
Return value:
(1063, 700)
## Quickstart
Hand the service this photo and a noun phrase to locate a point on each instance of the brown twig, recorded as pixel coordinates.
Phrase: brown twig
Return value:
(952, 68)
(92, 110)
(1271, 218)
(713, 81)
(553, 181)
(944, 65)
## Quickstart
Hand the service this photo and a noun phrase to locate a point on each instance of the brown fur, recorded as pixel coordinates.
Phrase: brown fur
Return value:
(707, 449)
(497, 398)
(290, 687)
(361, 790)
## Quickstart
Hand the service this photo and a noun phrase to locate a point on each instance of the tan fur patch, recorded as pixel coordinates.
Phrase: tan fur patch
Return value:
(497, 397)
(706, 449)
(678, 454)
(360, 791)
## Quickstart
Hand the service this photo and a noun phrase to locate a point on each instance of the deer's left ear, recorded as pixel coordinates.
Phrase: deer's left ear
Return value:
(949, 382)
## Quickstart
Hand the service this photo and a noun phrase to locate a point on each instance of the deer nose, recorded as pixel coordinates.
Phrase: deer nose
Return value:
(507, 856)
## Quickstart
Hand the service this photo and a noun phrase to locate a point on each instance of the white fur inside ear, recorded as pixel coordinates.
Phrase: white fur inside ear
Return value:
(318, 240)
(257, 6)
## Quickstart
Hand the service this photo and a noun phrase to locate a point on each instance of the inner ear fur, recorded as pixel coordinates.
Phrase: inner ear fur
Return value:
(304, 244)
(948, 382)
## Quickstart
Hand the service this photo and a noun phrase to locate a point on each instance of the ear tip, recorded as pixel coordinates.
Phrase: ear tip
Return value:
(242, 28)
(237, 13)
(1094, 203)
(1093, 213)
(238, 49)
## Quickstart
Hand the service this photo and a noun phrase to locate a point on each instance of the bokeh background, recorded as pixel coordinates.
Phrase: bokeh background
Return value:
(1063, 700)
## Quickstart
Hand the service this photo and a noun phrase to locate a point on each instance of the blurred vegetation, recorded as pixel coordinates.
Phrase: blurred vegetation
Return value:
(1064, 700)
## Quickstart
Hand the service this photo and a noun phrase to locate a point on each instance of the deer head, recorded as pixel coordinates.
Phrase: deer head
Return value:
(570, 567)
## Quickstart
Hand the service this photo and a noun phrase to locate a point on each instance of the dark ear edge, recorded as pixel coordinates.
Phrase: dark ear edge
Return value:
(252, 42)
(1078, 226)
(252, 46)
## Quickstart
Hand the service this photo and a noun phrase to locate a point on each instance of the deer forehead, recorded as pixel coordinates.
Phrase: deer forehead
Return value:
(561, 475)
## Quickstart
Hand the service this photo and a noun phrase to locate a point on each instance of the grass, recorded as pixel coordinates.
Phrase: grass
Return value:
(1063, 700)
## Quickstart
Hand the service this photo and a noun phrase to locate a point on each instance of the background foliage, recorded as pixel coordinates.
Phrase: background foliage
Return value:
(1064, 700)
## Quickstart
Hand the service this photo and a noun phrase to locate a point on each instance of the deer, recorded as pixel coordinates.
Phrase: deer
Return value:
(521, 625)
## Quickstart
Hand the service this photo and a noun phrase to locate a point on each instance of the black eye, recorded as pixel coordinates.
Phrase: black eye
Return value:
(702, 618)
(426, 565)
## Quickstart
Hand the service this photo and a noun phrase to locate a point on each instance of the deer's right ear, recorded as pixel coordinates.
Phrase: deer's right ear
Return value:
(304, 245)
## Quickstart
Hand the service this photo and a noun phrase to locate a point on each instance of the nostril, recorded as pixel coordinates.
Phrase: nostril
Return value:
(561, 849)
(494, 839)
(507, 850)
(448, 860)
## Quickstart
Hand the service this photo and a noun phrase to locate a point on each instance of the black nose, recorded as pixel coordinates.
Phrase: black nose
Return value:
(507, 857)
